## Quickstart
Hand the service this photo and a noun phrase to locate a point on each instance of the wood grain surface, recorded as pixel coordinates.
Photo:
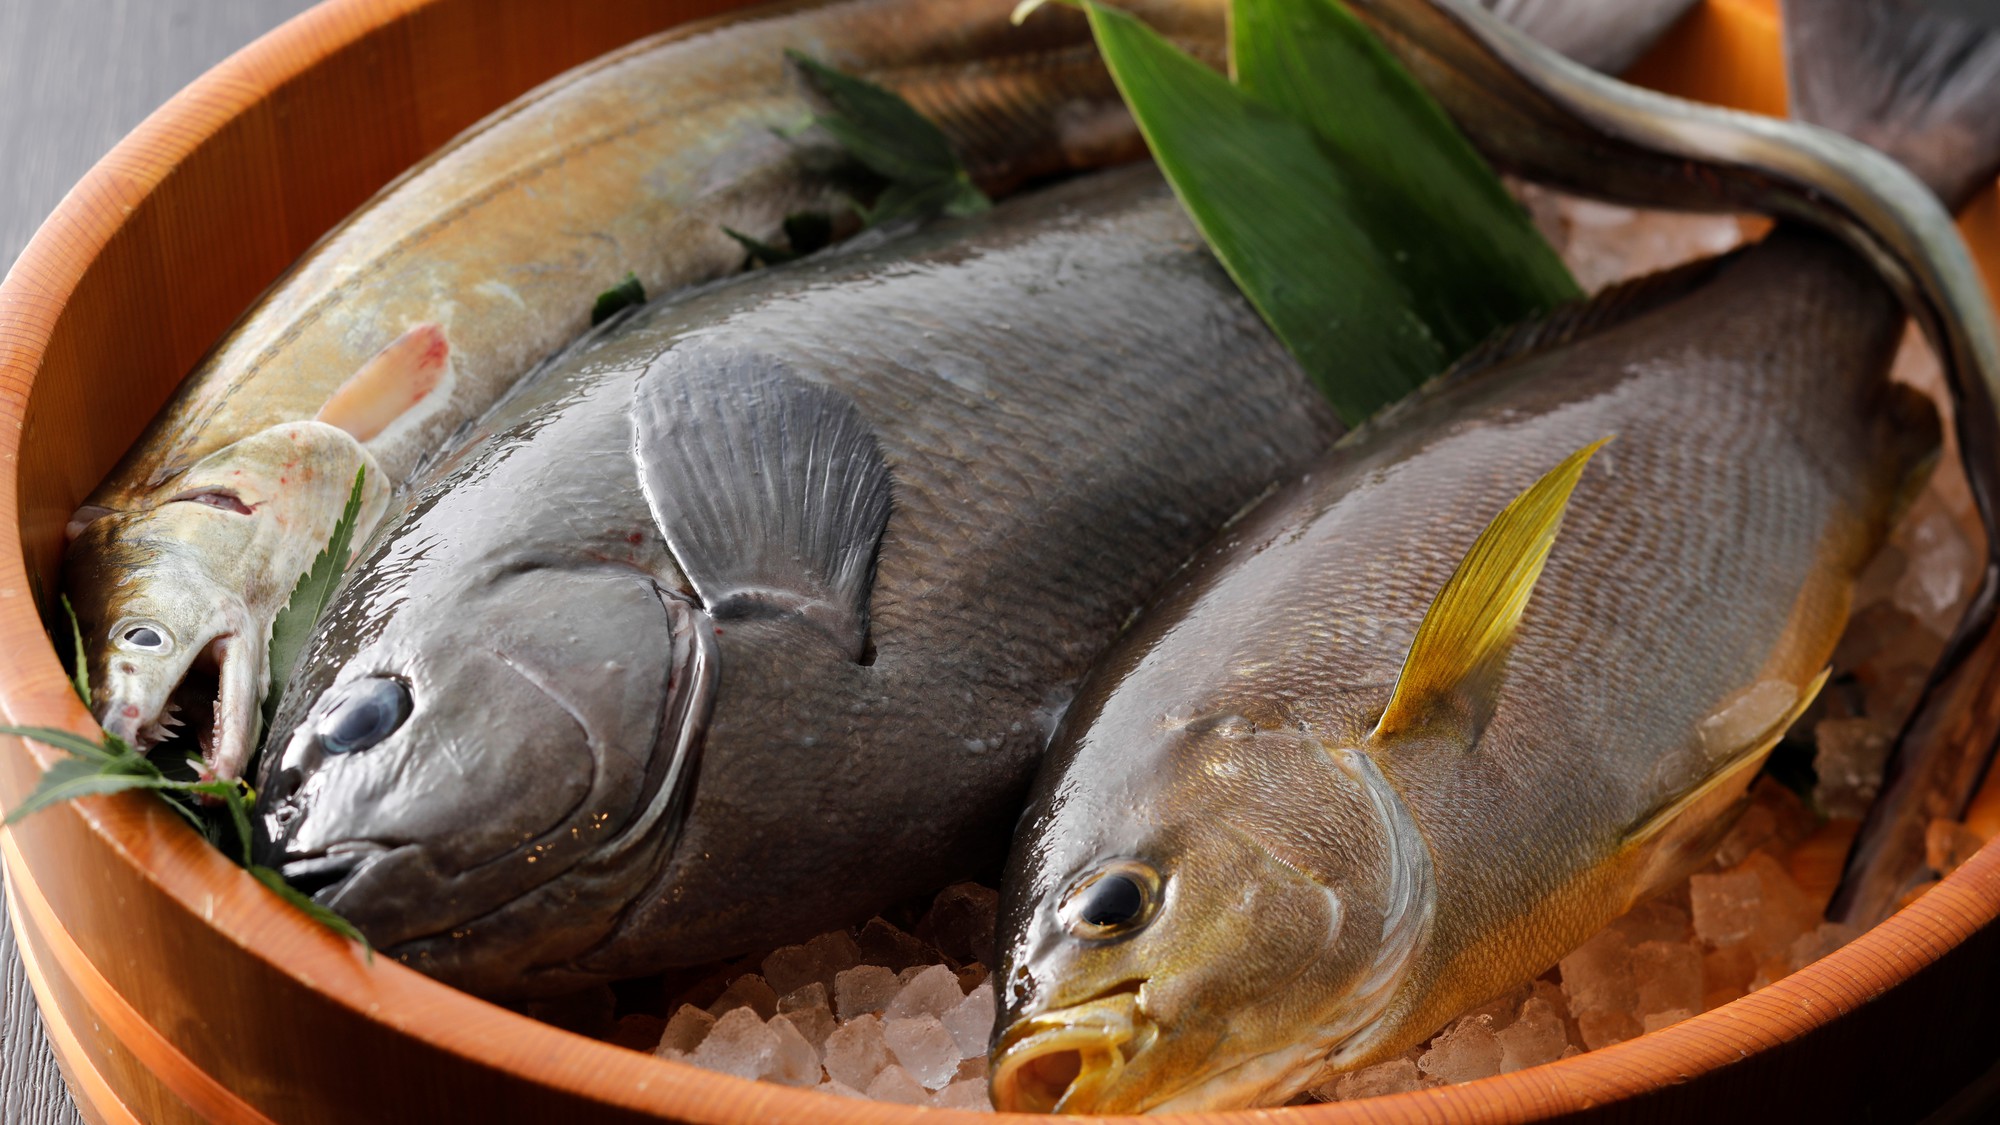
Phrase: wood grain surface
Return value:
(75, 77)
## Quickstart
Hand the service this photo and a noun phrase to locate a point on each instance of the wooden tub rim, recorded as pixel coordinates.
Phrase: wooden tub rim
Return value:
(35, 691)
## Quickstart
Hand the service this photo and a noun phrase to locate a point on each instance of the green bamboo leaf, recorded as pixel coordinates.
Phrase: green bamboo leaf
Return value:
(79, 676)
(1466, 252)
(277, 885)
(293, 626)
(1281, 214)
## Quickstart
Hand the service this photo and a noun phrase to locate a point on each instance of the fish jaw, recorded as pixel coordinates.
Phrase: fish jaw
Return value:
(200, 574)
(1067, 1061)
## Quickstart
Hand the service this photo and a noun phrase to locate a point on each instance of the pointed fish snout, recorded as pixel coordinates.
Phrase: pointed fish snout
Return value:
(1066, 1061)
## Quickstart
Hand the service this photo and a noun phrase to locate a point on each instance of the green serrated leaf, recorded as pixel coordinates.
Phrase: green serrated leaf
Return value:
(293, 626)
(75, 777)
(79, 676)
(1468, 256)
(624, 295)
(1280, 214)
(70, 742)
(891, 139)
(277, 885)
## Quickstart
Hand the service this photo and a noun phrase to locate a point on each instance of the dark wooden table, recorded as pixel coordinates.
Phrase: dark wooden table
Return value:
(76, 75)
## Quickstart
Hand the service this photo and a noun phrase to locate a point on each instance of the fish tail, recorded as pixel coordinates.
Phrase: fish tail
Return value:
(1918, 81)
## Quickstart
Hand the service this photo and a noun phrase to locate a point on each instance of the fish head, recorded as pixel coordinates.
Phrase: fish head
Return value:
(175, 598)
(150, 609)
(482, 781)
(1196, 922)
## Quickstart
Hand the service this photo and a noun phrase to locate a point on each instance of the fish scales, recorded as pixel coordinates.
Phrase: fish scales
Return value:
(1754, 411)
(415, 315)
(1070, 396)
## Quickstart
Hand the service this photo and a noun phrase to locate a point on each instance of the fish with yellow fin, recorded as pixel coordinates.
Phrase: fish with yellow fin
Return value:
(1379, 754)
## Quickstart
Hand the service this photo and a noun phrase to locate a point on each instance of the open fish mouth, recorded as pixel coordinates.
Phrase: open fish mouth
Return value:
(211, 711)
(1068, 1060)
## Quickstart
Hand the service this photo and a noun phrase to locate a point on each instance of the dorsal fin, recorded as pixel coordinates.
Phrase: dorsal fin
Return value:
(1608, 308)
(1919, 81)
(1450, 677)
(769, 489)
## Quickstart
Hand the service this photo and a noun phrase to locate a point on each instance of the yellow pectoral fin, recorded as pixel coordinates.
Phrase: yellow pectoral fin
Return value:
(390, 384)
(1681, 831)
(1449, 675)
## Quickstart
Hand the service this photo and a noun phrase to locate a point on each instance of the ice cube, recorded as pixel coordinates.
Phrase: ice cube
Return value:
(932, 992)
(1818, 942)
(1848, 756)
(924, 1048)
(974, 1067)
(883, 944)
(1501, 1010)
(1654, 1021)
(739, 1044)
(1466, 1052)
(1536, 1036)
(814, 1025)
(1396, 1076)
(640, 1032)
(856, 1052)
(1784, 911)
(969, 1093)
(864, 988)
(1725, 907)
(1725, 975)
(686, 1028)
(1668, 974)
(796, 1061)
(1603, 1028)
(792, 967)
(1941, 571)
(961, 923)
(1656, 919)
(970, 1021)
(895, 1084)
(1948, 844)
(842, 1089)
(813, 995)
(747, 991)
(1597, 975)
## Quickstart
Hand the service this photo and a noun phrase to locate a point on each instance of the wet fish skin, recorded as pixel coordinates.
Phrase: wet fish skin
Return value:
(493, 250)
(1229, 730)
(1070, 396)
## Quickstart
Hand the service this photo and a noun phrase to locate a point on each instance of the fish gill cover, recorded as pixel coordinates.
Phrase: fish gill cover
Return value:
(1345, 204)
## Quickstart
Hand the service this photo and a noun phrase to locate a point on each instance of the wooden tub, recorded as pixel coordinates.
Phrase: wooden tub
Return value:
(177, 989)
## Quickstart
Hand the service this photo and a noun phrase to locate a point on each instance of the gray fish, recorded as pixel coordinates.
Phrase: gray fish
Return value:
(752, 617)
(1347, 778)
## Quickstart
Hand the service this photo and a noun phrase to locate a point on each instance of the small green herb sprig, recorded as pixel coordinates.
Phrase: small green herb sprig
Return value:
(113, 766)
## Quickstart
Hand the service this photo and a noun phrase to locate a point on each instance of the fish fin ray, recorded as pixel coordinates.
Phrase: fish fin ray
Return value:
(392, 383)
(1917, 81)
(1461, 644)
(770, 490)
(1670, 822)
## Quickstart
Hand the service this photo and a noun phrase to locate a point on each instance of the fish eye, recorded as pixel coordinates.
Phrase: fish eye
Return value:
(368, 712)
(149, 637)
(1112, 901)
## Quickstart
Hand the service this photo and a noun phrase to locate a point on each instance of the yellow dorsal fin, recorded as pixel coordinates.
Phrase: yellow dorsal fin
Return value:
(1462, 640)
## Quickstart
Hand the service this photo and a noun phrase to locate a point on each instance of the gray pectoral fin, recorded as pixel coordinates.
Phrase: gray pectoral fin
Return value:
(770, 490)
